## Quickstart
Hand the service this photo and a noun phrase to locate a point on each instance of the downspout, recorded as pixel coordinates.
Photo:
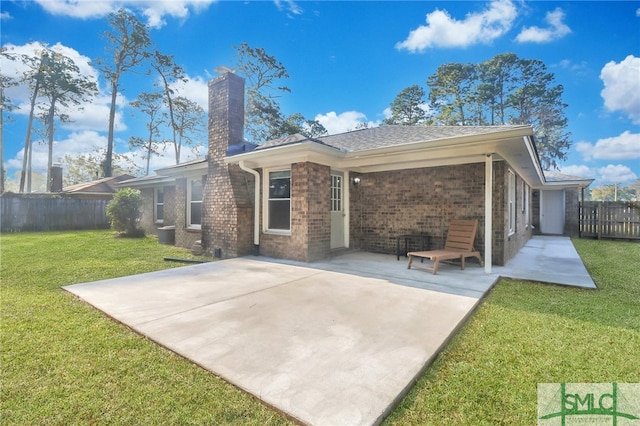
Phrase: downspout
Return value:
(256, 207)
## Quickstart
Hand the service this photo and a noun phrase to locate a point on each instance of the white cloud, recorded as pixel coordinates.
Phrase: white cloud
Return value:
(15, 69)
(578, 170)
(444, 31)
(556, 29)
(154, 10)
(622, 87)
(90, 115)
(5, 16)
(616, 174)
(343, 122)
(289, 5)
(166, 157)
(195, 89)
(623, 147)
(84, 142)
(579, 67)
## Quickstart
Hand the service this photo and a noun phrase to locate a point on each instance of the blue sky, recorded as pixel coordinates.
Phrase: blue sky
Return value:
(349, 59)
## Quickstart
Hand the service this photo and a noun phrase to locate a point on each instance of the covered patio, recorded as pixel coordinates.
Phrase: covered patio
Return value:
(332, 342)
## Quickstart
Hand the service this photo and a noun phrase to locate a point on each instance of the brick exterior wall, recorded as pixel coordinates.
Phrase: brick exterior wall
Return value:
(228, 194)
(387, 204)
(147, 221)
(146, 218)
(185, 237)
(310, 237)
(509, 245)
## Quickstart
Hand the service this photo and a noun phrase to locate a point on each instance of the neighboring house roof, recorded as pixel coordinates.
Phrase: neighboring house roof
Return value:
(106, 185)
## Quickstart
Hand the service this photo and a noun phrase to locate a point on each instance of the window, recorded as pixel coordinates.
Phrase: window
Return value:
(279, 202)
(336, 193)
(159, 206)
(194, 203)
(511, 197)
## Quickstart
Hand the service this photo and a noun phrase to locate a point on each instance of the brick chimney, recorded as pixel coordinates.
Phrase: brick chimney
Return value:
(55, 185)
(227, 223)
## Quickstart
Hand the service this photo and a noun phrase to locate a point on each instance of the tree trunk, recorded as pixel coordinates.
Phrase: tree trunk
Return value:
(107, 166)
(50, 117)
(27, 139)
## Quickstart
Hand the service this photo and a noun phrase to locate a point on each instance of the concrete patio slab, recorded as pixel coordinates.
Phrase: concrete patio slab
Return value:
(336, 342)
(327, 348)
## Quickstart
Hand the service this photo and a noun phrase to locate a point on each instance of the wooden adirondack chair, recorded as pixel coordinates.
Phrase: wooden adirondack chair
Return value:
(459, 245)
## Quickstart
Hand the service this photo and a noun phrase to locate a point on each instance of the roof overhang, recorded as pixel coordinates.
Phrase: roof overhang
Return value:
(146, 182)
(562, 184)
(514, 145)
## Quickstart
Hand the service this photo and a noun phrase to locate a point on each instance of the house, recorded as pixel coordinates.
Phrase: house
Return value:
(301, 198)
(100, 189)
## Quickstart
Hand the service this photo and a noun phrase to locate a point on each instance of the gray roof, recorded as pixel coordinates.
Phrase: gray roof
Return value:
(390, 135)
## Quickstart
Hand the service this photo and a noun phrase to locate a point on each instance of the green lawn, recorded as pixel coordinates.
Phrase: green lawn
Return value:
(526, 333)
(64, 362)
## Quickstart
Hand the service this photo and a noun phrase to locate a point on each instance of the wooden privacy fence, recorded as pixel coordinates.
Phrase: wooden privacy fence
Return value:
(610, 219)
(46, 212)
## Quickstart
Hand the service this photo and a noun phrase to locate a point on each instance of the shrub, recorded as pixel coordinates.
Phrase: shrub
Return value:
(124, 212)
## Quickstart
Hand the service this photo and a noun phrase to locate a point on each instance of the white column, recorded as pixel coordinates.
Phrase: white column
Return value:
(346, 206)
(488, 212)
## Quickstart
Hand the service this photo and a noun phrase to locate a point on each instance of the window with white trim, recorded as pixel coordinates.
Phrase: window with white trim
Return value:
(279, 201)
(194, 203)
(511, 199)
(525, 203)
(336, 193)
(158, 211)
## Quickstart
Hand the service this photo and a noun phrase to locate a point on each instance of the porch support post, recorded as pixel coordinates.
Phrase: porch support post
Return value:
(488, 212)
(346, 200)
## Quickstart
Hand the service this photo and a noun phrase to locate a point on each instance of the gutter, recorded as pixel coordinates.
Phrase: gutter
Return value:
(256, 206)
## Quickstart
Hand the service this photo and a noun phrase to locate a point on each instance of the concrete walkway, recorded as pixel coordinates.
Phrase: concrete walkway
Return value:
(548, 259)
(328, 343)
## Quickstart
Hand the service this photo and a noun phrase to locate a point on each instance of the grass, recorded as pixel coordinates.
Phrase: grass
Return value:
(65, 363)
(526, 333)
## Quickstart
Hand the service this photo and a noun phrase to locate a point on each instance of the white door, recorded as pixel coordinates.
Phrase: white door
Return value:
(337, 210)
(552, 212)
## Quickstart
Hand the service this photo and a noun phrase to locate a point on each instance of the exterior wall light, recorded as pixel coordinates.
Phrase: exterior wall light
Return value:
(356, 180)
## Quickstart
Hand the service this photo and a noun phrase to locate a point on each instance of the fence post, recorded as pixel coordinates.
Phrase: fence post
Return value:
(599, 218)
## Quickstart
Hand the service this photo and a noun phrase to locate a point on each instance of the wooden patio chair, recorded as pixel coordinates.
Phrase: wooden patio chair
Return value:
(459, 245)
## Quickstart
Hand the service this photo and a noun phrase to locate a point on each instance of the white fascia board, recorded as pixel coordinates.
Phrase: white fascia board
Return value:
(289, 154)
(562, 184)
(147, 183)
(528, 141)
